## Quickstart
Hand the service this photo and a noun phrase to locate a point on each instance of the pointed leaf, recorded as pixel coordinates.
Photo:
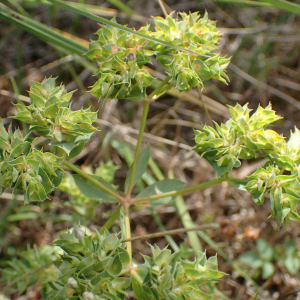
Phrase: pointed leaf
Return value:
(93, 191)
(141, 166)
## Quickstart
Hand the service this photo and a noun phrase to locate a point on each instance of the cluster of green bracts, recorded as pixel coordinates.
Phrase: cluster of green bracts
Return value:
(27, 169)
(50, 115)
(121, 56)
(98, 267)
(245, 137)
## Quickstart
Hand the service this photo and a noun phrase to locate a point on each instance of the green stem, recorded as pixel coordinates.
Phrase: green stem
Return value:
(91, 179)
(237, 180)
(111, 220)
(180, 192)
(128, 232)
(158, 89)
(138, 147)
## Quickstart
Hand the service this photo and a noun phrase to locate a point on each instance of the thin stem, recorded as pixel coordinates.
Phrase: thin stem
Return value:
(91, 179)
(236, 180)
(162, 8)
(128, 231)
(153, 96)
(111, 220)
(180, 192)
(205, 107)
(138, 147)
(173, 232)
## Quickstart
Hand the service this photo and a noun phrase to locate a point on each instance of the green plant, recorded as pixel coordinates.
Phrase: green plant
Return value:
(263, 260)
(100, 266)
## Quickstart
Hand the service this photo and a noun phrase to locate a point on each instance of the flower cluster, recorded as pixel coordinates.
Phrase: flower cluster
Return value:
(50, 115)
(27, 169)
(189, 59)
(245, 137)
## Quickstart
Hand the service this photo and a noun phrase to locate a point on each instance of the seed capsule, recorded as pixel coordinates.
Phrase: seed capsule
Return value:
(131, 56)
(88, 296)
(72, 282)
(79, 233)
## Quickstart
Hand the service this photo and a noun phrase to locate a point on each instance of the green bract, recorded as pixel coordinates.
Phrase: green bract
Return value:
(121, 56)
(50, 115)
(27, 169)
(245, 137)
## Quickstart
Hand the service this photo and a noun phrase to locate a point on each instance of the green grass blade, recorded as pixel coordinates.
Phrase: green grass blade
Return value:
(247, 2)
(286, 5)
(186, 220)
(279, 4)
(126, 29)
(42, 31)
(123, 7)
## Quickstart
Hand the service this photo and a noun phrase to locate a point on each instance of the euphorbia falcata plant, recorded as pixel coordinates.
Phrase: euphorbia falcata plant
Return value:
(99, 265)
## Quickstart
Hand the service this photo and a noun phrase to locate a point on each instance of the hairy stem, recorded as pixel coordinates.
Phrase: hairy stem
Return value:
(91, 179)
(138, 147)
(180, 192)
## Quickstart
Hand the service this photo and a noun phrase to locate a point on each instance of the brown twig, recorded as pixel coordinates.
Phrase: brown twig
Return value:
(173, 232)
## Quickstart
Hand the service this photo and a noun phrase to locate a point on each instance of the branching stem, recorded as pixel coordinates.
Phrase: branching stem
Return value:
(180, 192)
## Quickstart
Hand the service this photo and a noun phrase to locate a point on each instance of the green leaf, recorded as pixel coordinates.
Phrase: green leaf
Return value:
(268, 270)
(141, 167)
(292, 264)
(160, 187)
(92, 191)
(265, 250)
(251, 258)
(116, 266)
(139, 292)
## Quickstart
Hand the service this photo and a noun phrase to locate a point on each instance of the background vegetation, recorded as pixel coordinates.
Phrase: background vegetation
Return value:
(263, 41)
